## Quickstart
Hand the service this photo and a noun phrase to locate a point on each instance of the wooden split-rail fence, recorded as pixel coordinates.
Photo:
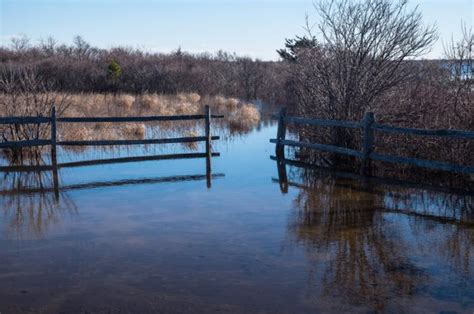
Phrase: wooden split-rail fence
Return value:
(369, 126)
(54, 142)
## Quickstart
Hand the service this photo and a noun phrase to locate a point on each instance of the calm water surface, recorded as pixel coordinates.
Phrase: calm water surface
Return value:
(151, 237)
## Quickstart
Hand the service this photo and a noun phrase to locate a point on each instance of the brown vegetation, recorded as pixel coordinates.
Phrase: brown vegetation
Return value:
(83, 68)
(25, 94)
(247, 113)
(363, 63)
(24, 100)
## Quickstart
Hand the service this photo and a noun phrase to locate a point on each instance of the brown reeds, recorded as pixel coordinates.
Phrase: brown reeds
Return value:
(240, 117)
(244, 117)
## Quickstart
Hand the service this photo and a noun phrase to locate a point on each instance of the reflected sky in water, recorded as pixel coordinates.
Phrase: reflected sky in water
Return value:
(135, 242)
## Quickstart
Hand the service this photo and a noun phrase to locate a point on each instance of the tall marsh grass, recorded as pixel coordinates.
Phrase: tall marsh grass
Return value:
(240, 117)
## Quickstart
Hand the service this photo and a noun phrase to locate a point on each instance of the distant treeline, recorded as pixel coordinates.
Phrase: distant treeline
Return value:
(83, 68)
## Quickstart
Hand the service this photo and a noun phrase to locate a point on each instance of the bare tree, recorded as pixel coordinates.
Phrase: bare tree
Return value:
(48, 46)
(82, 47)
(361, 50)
(360, 55)
(460, 59)
(20, 43)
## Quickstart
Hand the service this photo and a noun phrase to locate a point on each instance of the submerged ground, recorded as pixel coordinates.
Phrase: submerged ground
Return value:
(152, 237)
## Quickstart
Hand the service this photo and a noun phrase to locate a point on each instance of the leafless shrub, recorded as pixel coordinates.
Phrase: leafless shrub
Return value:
(24, 93)
(48, 46)
(460, 58)
(82, 67)
(20, 43)
(439, 97)
(365, 62)
(360, 56)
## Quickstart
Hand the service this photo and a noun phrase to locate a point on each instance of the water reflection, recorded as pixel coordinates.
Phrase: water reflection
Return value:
(371, 244)
(33, 199)
(365, 262)
(28, 206)
(312, 242)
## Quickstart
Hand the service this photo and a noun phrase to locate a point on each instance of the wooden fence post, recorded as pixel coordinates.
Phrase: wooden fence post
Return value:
(368, 142)
(281, 134)
(207, 118)
(54, 160)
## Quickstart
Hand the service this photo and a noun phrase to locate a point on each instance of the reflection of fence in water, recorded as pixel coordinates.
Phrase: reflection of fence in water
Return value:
(361, 246)
(417, 200)
(29, 209)
(42, 185)
(34, 200)
(54, 142)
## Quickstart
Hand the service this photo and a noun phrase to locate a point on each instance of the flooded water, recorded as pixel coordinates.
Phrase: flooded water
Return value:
(151, 237)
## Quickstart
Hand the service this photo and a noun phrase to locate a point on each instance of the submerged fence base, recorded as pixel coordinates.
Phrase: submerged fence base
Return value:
(368, 154)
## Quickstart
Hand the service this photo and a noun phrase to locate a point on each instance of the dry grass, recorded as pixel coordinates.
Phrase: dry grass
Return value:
(244, 117)
(222, 104)
(26, 94)
(168, 105)
(191, 97)
(240, 117)
(191, 145)
(150, 102)
(136, 130)
(124, 102)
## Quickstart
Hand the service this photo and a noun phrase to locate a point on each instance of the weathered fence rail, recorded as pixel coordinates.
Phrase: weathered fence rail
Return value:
(137, 142)
(367, 154)
(53, 120)
(19, 144)
(135, 119)
(53, 141)
(24, 120)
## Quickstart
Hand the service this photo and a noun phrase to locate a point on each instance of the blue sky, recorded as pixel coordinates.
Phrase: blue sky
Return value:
(253, 28)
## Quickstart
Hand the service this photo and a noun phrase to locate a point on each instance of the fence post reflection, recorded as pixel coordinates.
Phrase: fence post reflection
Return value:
(56, 182)
(282, 176)
(208, 172)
